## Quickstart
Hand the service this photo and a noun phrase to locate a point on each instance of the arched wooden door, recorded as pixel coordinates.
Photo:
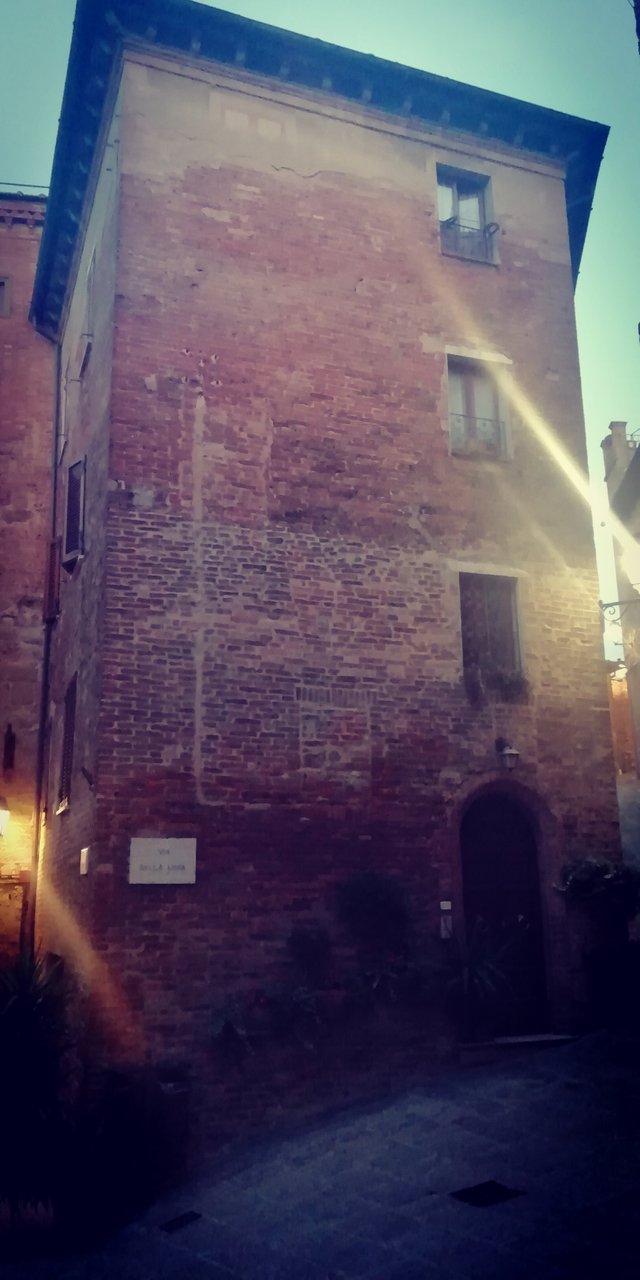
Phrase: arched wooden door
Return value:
(503, 918)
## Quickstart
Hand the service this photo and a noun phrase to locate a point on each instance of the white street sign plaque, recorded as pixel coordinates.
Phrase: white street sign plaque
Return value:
(157, 861)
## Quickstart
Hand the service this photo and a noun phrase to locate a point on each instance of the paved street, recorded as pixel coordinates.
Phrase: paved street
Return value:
(367, 1195)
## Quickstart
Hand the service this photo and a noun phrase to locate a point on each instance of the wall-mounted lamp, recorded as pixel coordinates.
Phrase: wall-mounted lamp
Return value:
(4, 814)
(507, 755)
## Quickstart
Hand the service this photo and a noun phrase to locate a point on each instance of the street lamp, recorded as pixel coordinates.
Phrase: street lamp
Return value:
(508, 756)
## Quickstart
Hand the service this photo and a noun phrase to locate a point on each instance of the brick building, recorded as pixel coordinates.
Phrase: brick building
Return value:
(319, 406)
(622, 475)
(26, 413)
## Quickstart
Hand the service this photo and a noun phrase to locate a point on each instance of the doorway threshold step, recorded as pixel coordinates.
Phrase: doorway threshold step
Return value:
(481, 1051)
(539, 1037)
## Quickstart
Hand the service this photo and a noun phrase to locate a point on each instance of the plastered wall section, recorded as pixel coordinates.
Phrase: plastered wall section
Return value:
(26, 414)
(83, 433)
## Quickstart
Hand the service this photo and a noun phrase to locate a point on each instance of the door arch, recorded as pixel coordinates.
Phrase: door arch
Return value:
(502, 908)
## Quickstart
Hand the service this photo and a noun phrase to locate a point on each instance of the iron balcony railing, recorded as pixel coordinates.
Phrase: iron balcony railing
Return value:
(476, 435)
(461, 241)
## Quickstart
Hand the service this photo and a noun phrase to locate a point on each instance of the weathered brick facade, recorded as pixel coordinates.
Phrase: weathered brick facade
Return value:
(265, 625)
(26, 413)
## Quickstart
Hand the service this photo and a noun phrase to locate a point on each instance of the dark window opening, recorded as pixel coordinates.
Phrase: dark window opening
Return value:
(90, 296)
(488, 612)
(68, 734)
(5, 296)
(74, 514)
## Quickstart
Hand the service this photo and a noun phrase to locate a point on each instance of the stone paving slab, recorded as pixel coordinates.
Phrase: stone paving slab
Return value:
(367, 1194)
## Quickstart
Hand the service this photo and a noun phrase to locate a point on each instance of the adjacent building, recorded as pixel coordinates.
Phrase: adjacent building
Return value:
(26, 418)
(622, 476)
(321, 561)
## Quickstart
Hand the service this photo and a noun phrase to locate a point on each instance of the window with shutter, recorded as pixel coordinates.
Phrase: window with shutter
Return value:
(489, 621)
(466, 229)
(52, 585)
(476, 417)
(68, 734)
(74, 515)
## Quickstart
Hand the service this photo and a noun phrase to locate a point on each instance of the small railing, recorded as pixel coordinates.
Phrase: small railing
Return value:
(461, 241)
(476, 435)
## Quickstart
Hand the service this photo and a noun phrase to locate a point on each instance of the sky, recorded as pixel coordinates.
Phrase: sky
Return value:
(578, 56)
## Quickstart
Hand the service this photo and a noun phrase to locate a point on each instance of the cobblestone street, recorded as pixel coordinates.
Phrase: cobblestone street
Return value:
(368, 1194)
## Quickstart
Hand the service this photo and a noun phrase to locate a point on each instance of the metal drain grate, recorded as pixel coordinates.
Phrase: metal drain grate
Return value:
(182, 1220)
(484, 1194)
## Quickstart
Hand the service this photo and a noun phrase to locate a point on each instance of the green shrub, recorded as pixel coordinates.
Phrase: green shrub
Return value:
(608, 888)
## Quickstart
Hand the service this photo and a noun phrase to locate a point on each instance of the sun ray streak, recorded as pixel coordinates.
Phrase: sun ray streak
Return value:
(121, 1027)
(469, 331)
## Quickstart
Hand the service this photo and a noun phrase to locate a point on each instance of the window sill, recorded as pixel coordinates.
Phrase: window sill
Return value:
(63, 806)
(482, 688)
(477, 454)
(70, 563)
(469, 257)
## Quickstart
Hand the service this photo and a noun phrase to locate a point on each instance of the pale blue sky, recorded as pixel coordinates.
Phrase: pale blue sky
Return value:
(578, 56)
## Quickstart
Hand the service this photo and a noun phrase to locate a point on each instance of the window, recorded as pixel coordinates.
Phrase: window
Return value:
(90, 295)
(476, 423)
(68, 733)
(86, 339)
(466, 230)
(73, 543)
(489, 621)
(51, 602)
(5, 295)
(65, 409)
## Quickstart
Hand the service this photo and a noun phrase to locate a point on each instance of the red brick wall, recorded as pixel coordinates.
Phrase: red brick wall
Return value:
(65, 902)
(26, 414)
(281, 664)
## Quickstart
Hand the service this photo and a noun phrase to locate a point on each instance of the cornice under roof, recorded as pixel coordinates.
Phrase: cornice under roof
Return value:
(17, 208)
(102, 27)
